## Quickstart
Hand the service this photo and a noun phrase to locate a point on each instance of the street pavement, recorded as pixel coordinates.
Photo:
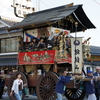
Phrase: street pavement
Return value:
(30, 98)
(35, 98)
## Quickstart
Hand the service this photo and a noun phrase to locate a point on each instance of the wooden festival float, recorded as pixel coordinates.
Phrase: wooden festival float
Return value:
(40, 67)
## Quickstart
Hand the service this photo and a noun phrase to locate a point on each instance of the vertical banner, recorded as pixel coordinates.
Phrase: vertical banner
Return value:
(77, 56)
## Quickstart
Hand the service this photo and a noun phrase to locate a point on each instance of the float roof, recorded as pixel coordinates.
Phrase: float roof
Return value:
(48, 17)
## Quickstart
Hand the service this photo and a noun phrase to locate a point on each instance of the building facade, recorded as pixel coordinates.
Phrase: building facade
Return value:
(9, 42)
(94, 61)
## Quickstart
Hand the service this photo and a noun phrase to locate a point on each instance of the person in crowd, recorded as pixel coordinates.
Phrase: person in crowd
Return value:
(55, 42)
(17, 87)
(41, 44)
(9, 72)
(90, 86)
(60, 86)
(68, 42)
(2, 83)
(33, 44)
(97, 83)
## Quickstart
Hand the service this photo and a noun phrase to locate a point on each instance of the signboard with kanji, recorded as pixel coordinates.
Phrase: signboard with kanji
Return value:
(77, 56)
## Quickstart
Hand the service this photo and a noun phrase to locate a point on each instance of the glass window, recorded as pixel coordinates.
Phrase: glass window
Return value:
(9, 45)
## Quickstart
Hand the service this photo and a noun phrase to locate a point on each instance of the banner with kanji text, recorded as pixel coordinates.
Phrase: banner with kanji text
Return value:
(77, 56)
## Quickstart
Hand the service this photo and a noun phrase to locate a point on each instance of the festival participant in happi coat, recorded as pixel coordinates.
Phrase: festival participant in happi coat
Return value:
(90, 86)
(97, 83)
(61, 84)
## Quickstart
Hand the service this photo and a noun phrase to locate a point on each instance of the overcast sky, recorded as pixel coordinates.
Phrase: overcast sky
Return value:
(91, 8)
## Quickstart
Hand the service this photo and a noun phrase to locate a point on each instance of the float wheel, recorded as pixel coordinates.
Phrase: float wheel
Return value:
(45, 88)
(75, 94)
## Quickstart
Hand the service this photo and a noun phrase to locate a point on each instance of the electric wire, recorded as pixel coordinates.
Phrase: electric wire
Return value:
(6, 7)
(8, 33)
(12, 40)
(96, 2)
(44, 3)
(7, 14)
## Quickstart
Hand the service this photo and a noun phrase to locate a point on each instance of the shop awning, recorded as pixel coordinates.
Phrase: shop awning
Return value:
(8, 61)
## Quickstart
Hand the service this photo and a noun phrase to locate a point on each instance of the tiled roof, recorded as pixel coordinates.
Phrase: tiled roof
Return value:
(95, 63)
(51, 16)
(8, 61)
(4, 31)
(9, 21)
(95, 50)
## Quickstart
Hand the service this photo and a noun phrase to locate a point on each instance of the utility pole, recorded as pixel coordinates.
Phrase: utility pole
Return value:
(38, 5)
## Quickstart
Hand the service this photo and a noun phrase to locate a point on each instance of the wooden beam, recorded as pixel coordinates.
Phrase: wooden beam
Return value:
(55, 67)
(94, 58)
(87, 79)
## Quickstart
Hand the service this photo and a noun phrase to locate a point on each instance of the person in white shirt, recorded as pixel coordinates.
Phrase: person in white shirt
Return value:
(17, 87)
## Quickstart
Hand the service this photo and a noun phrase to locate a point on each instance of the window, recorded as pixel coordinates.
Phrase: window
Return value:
(9, 45)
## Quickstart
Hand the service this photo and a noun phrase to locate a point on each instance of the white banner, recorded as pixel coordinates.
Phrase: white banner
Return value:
(56, 31)
(77, 56)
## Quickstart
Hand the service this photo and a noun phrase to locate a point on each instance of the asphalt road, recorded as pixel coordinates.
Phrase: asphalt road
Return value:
(30, 98)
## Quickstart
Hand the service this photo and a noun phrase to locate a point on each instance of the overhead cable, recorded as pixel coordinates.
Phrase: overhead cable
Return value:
(44, 3)
(96, 2)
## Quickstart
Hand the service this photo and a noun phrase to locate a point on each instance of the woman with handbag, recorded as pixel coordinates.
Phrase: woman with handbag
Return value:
(17, 87)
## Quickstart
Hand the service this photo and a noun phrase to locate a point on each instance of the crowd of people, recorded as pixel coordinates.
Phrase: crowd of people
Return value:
(46, 44)
(92, 86)
(36, 45)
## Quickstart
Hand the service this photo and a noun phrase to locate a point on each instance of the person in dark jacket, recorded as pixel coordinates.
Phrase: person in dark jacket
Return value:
(2, 82)
(90, 87)
(60, 86)
(33, 44)
(97, 83)
(41, 44)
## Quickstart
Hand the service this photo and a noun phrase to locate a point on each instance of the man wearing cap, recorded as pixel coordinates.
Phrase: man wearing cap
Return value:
(2, 77)
(90, 87)
(97, 85)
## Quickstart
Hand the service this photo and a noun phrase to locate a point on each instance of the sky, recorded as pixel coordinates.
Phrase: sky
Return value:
(91, 8)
